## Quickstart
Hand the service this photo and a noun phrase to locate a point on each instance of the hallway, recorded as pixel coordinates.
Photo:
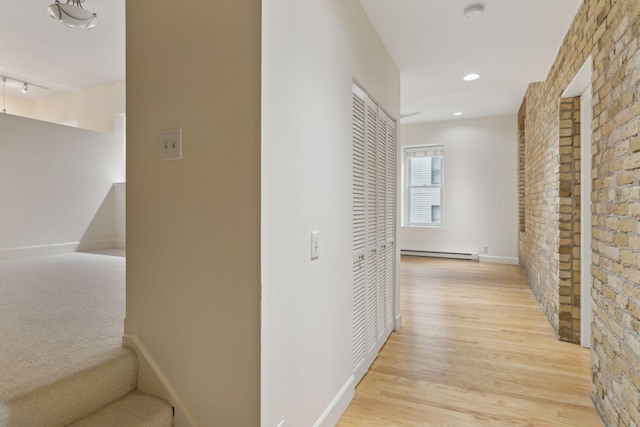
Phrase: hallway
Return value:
(475, 349)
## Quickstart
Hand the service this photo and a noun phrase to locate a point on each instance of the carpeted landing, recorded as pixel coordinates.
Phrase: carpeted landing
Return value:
(61, 355)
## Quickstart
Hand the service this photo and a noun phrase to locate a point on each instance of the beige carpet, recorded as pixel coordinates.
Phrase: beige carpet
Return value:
(60, 317)
(136, 409)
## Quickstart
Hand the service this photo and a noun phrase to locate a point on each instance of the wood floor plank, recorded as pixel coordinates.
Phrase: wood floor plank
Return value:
(475, 350)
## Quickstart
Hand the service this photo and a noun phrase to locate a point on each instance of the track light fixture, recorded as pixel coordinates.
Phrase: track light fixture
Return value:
(14, 82)
(73, 15)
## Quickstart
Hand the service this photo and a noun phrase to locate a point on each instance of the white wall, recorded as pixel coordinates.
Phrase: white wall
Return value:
(480, 205)
(120, 196)
(312, 50)
(92, 108)
(55, 186)
(17, 106)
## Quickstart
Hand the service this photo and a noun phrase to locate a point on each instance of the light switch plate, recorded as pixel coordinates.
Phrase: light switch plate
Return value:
(171, 145)
(315, 244)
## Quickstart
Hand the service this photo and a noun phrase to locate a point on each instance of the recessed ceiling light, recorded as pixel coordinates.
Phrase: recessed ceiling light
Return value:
(473, 11)
(457, 113)
(471, 77)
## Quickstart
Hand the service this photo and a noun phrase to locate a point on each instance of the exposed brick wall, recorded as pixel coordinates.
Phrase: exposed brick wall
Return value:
(608, 30)
(538, 245)
(521, 165)
(569, 220)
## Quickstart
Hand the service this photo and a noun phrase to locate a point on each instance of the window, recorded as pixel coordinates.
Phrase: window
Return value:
(423, 180)
(436, 170)
(435, 214)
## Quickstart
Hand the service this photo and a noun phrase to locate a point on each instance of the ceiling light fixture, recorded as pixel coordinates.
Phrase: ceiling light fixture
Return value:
(73, 15)
(457, 113)
(473, 11)
(471, 77)
(25, 84)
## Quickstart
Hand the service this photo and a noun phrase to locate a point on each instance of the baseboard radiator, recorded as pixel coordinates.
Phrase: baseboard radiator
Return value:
(434, 254)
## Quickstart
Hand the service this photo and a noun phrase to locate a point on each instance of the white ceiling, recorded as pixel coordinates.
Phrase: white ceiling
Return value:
(40, 50)
(511, 45)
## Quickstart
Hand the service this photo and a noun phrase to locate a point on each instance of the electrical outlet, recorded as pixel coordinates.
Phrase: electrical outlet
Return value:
(171, 145)
(485, 249)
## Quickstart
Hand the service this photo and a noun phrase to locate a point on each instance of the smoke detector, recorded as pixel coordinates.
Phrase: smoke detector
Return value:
(473, 11)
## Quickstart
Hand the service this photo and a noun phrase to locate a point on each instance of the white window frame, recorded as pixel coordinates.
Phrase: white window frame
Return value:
(406, 189)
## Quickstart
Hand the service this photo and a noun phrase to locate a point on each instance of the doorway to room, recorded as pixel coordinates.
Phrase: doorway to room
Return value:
(580, 87)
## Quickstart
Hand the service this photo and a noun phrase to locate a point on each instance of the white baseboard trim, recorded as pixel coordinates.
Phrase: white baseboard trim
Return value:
(97, 245)
(153, 381)
(338, 405)
(60, 248)
(436, 254)
(498, 259)
(398, 324)
(42, 250)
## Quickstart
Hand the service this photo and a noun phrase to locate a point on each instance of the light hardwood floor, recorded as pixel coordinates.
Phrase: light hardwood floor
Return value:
(475, 350)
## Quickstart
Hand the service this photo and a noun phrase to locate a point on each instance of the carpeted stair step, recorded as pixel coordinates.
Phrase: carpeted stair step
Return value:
(133, 410)
(70, 394)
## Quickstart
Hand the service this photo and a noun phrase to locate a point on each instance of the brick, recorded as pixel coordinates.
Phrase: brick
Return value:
(634, 144)
(627, 224)
(624, 178)
(621, 209)
(634, 309)
(564, 132)
(621, 239)
(627, 256)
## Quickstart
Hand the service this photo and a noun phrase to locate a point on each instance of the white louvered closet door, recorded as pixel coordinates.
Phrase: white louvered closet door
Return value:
(381, 235)
(371, 142)
(390, 216)
(359, 218)
(373, 229)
